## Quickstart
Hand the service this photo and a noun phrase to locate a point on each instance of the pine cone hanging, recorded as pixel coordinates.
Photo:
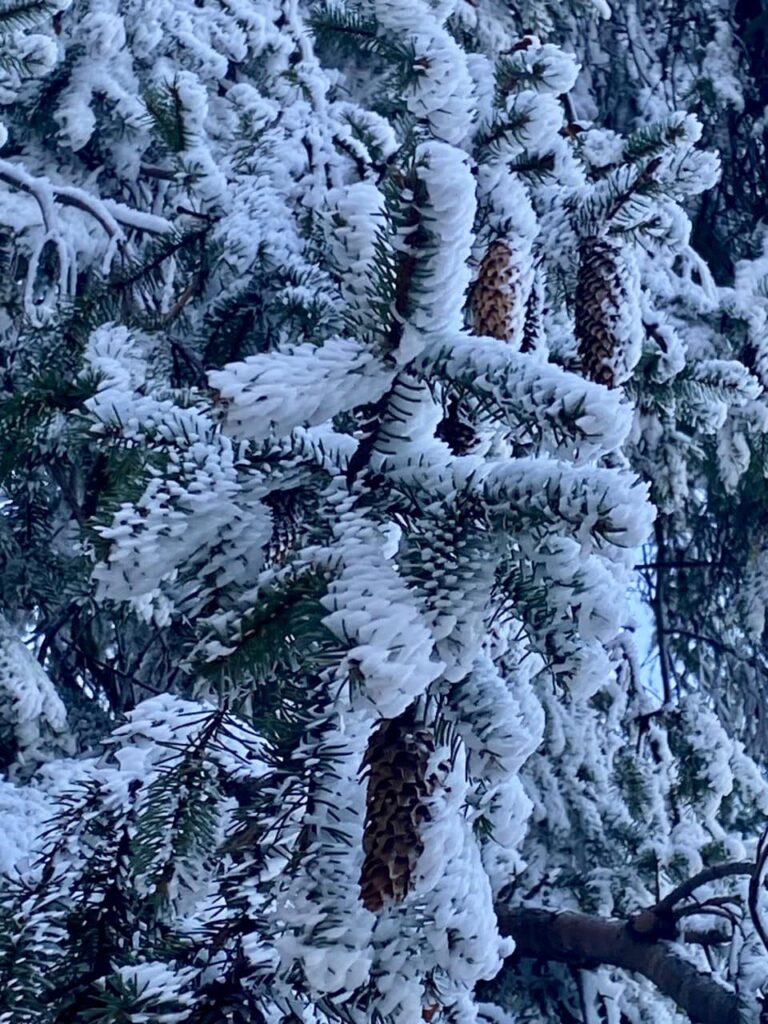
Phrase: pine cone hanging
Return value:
(456, 428)
(533, 337)
(497, 302)
(608, 328)
(397, 761)
(286, 519)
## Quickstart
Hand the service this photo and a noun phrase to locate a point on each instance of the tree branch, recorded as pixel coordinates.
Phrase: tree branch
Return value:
(582, 940)
(719, 645)
(711, 874)
(754, 889)
(695, 563)
(659, 610)
(111, 215)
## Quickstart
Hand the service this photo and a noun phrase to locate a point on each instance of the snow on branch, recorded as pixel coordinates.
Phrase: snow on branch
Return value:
(111, 216)
(274, 392)
(587, 941)
(571, 415)
(598, 506)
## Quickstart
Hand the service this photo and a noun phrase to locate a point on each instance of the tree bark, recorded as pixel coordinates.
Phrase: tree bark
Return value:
(585, 941)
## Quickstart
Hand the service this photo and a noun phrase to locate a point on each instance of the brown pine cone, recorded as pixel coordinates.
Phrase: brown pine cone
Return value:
(396, 760)
(496, 297)
(604, 308)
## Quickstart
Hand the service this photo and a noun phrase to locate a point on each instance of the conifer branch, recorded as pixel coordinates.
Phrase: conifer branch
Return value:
(587, 941)
(710, 874)
(660, 612)
(112, 216)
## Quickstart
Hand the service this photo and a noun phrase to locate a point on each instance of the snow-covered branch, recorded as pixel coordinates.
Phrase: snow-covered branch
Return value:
(587, 941)
(111, 215)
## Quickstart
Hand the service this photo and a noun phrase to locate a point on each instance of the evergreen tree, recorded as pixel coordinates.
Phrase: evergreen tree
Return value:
(345, 372)
(702, 453)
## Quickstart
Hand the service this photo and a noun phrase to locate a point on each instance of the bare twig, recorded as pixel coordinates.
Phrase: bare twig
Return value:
(660, 612)
(717, 903)
(712, 874)
(161, 173)
(706, 936)
(694, 563)
(719, 645)
(754, 888)
(183, 299)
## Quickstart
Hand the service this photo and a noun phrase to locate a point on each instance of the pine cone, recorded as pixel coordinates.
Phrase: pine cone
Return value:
(286, 518)
(456, 429)
(533, 326)
(607, 305)
(496, 298)
(397, 759)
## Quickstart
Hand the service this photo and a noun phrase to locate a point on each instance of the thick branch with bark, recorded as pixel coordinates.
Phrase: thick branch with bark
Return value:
(582, 940)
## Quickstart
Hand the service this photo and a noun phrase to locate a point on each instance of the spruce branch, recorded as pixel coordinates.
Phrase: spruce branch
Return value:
(348, 32)
(25, 14)
(166, 111)
(611, 195)
(652, 141)
(112, 216)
